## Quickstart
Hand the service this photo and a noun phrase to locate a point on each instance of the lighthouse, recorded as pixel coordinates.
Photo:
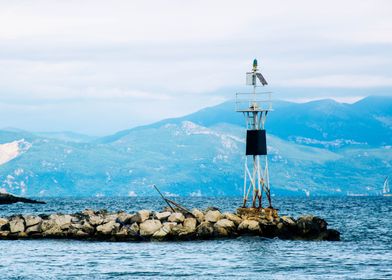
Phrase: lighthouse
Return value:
(255, 106)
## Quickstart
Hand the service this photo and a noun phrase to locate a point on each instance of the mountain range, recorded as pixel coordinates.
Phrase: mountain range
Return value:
(321, 147)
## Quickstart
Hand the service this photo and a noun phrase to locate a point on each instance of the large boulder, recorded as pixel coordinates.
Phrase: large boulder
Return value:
(96, 220)
(233, 217)
(140, 216)
(53, 231)
(149, 227)
(212, 216)
(87, 227)
(124, 218)
(311, 225)
(32, 220)
(88, 212)
(205, 230)
(176, 217)
(63, 221)
(108, 228)
(249, 226)
(110, 218)
(17, 224)
(189, 224)
(198, 215)
(47, 224)
(289, 221)
(224, 227)
(164, 231)
(34, 229)
(162, 216)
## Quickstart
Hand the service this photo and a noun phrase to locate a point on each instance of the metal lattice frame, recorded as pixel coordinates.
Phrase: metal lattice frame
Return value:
(255, 108)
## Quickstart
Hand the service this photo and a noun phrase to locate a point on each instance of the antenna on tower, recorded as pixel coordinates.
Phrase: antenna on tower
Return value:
(255, 107)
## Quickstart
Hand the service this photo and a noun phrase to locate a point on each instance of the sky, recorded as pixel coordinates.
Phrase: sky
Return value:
(97, 67)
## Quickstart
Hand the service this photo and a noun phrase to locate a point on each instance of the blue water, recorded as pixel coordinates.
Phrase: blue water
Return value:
(365, 251)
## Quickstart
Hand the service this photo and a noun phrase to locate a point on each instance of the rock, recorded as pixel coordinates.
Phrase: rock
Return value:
(205, 230)
(212, 216)
(22, 234)
(311, 225)
(164, 231)
(54, 231)
(288, 220)
(124, 218)
(32, 220)
(162, 215)
(17, 225)
(212, 208)
(224, 227)
(108, 227)
(95, 220)
(88, 212)
(249, 226)
(47, 224)
(189, 225)
(134, 229)
(140, 216)
(81, 234)
(87, 227)
(123, 232)
(34, 229)
(198, 215)
(63, 221)
(149, 227)
(332, 235)
(4, 233)
(4, 224)
(176, 217)
(110, 218)
(233, 217)
(170, 224)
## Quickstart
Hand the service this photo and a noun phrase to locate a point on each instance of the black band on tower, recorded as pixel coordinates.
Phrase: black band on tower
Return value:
(256, 142)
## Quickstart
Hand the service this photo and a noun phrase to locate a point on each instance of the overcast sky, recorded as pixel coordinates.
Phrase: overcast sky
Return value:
(101, 66)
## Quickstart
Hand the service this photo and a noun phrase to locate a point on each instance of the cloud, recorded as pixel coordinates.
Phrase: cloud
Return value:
(182, 54)
(342, 81)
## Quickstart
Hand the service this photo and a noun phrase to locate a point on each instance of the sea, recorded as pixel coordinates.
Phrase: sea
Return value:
(365, 251)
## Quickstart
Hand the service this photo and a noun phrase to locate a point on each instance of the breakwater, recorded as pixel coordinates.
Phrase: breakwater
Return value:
(166, 225)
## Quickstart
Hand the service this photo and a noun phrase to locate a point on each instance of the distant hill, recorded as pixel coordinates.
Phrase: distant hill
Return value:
(323, 147)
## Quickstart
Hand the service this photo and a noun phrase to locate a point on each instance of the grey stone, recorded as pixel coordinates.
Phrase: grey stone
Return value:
(176, 217)
(212, 216)
(198, 215)
(141, 216)
(33, 229)
(249, 226)
(233, 217)
(190, 224)
(108, 228)
(17, 225)
(32, 220)
(205, 230)
(162, 215)
(149, 227)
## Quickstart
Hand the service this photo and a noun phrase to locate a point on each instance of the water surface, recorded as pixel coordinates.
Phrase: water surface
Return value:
(365, 251)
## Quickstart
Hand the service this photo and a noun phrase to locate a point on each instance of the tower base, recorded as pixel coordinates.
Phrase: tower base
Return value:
(264, 213)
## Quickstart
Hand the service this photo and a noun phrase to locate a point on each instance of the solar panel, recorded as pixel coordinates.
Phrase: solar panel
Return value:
(261, 78)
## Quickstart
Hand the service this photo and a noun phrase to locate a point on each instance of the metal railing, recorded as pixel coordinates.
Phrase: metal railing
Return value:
(247, 102)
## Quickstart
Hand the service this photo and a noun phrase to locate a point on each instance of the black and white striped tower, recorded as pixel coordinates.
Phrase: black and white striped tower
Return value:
(255, 107)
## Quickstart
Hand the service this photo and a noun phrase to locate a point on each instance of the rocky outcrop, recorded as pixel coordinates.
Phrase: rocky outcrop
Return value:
(6, 198)
(147, 225)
